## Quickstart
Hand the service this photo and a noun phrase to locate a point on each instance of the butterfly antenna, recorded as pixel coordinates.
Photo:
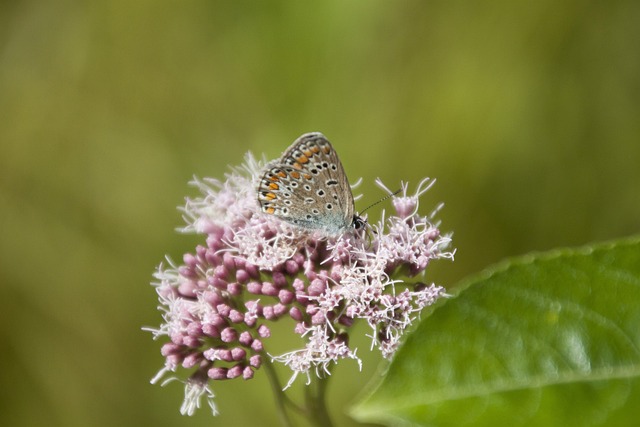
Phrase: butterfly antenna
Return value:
(381, 200)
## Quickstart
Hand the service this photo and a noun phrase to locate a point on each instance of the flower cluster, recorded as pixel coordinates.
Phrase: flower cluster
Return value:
(255, 269)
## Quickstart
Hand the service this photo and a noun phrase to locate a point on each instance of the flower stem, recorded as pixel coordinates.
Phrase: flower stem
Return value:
(280, 397)
(276, 388)
(316, 403)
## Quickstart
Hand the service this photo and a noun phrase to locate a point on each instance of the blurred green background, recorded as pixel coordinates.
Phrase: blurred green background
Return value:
(527, 113)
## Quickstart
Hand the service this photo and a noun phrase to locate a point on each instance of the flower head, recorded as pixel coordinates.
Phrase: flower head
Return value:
(254, 269)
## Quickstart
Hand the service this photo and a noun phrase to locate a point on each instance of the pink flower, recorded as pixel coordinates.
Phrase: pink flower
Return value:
(254, 269)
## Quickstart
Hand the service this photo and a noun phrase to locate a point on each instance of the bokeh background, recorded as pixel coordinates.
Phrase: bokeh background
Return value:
(527, 113)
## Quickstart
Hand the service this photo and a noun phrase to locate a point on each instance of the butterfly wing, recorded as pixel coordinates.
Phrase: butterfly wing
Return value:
(308, 187)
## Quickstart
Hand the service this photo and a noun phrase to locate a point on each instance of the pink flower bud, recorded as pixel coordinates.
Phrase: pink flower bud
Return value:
(269, 289)
(255, 361)
(191, 360)
(223, 309)
(187, 288)
(221, 272)
(169, 348)
(228, 261)
(217, 373)
(245, 338)
(190, 260)
(234, 289)
(254, 288)
(279, 279)
(228, 335)
(238, 353)
(317, 287)
(256, 345)
(291, 267)
(242, 276)
(235, 316)
(235, 371)
(264, 332)
(186, 272)
(286, 296)
(279, 310)
(295, 313)
(267, 312)
(247, 373)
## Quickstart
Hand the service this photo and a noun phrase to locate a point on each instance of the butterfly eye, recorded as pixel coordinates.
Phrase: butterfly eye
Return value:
(358, 222)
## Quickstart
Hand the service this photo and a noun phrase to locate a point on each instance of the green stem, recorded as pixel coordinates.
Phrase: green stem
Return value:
(276, 388)
(315, 396)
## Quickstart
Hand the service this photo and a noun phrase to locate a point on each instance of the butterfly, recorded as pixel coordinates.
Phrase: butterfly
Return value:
(307, 187)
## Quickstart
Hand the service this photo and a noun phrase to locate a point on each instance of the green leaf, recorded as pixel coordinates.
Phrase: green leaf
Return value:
(550, 339)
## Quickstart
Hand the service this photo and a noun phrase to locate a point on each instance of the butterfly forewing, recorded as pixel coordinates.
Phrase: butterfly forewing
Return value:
(308, 187)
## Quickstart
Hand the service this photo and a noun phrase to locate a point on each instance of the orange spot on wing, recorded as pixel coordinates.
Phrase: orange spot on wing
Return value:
(273, 186)
(307, 176)
(315, 149)
(270, 196)
(303, 159)
(297, 165)
(282, 174)
(295, 175)
(270, 210)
